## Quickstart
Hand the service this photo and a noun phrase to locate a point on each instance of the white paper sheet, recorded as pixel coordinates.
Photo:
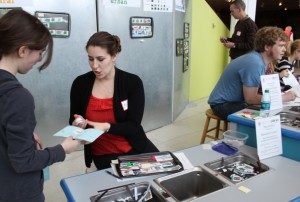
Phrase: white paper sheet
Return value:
(271, 82)
(122, 3)
(268, 136)
(296, 102)
(180, 5)
(291, 80)
(89, 135)
(158, 5)
(184, 160)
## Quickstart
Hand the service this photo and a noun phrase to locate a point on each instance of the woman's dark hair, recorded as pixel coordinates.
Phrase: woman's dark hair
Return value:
(19, 28)
(105, 40)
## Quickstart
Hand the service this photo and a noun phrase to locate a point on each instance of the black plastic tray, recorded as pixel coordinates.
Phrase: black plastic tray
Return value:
(148, 164)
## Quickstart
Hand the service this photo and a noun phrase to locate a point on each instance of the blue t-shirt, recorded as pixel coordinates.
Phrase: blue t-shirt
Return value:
(244, 70)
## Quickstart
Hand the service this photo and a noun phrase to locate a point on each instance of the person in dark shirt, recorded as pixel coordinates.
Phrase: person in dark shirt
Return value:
(23, 40)
(283, 71)
(112, 100)
(242, 40)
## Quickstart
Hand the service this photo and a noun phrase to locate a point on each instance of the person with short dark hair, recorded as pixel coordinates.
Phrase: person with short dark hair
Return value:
(111, 100)
(283, 71)
(23, 40)
(242, 40)
(239, 84)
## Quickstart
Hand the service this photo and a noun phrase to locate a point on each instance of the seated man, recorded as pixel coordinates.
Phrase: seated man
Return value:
(238, 85)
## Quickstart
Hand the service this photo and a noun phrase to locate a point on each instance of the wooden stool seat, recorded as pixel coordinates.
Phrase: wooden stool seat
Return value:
(210, 115)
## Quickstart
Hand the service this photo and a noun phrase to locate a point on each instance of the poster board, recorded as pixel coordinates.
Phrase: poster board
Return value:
(57, 23)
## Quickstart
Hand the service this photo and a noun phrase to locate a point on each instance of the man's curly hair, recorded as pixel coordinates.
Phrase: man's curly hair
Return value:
(267, 36)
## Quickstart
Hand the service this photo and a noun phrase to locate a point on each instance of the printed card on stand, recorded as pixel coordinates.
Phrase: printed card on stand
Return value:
(268, 137)
(271, 82)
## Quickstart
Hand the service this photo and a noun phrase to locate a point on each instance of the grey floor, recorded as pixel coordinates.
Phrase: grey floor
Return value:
(184, 132)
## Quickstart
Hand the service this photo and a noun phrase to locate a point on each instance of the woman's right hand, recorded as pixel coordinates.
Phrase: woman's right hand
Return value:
(100, 126)
(70, 144)
(289, 96)
(79, 121)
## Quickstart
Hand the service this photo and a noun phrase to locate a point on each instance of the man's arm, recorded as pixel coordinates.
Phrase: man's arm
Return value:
(251, 95)
(253, 98)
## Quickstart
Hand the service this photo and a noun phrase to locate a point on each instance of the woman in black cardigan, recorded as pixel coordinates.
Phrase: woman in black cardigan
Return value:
(111, 100)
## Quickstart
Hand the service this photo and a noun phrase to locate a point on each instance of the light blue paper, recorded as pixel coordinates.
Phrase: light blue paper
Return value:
(297, 199)
(46, 173)
(89, 135)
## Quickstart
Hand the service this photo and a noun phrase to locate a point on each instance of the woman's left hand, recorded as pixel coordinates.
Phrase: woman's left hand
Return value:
(100, 126)
(38, 141)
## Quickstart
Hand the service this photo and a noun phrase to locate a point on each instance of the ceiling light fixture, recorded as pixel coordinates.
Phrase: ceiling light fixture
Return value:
(285, 8)
(280, 4)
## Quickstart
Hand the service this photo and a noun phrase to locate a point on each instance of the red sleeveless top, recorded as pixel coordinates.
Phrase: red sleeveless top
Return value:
(101, 110)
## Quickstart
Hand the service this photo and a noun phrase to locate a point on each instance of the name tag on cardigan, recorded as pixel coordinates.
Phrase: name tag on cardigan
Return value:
(125, 105)
(239, 33)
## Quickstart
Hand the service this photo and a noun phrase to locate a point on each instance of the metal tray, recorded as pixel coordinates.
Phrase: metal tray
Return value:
(130, 192)
(237, 168)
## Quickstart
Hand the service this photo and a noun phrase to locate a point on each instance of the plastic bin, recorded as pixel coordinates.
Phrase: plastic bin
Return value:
(235, 138)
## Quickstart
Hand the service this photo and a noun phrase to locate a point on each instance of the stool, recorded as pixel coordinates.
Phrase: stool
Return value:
(210, 115)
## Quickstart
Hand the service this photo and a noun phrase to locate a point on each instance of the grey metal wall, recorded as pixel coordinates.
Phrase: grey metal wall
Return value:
(150, 58)
(51, 87)
(181, 79)
(153, 59)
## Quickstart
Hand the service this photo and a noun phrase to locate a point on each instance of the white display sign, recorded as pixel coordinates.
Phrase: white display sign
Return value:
(180, 5)
(126, 3)
(290, 80)
(15, 3)
(268, 137)
(158, 5)
(271, 82)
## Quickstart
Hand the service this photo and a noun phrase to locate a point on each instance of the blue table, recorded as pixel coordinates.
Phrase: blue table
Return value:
(290, 136)
(280, 183)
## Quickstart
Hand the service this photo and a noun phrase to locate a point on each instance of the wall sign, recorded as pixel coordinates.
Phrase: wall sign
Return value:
(24, 3)
(179, 47)
(158, 5)
(57, 23)
(141, 27)
(180, 5)
(186, 60)
(186, 30)
(125, 3)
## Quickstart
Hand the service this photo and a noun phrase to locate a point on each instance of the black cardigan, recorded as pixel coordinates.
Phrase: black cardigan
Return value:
(21, 164)
(128, 123)
(243, 37)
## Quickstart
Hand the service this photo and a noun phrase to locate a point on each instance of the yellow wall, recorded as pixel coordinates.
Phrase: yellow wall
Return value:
(207, 54)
